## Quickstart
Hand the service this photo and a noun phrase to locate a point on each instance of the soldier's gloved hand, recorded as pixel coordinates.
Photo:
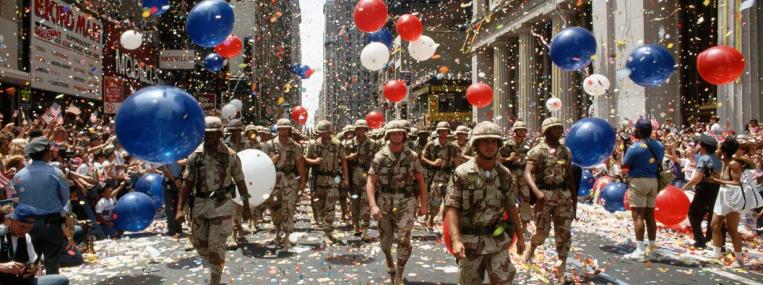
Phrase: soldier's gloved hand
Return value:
(458, 250)
(180, 217)
(376, 213)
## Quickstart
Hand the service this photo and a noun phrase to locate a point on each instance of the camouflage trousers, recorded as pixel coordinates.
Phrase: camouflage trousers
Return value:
(437, 191)
(558, 210)
(325, 198)
(283, 204)
(398, 214)
(210, 228)
(523, 196)
(471, 270)
(361, 213)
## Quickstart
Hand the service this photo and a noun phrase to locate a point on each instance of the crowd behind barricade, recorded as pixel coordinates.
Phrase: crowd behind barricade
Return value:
(95, 171)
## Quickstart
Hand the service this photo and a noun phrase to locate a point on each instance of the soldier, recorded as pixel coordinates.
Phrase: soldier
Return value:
(479, 193)
(328, 160)
(461, 137)
(442, 157)
(548, 174)
(265, 136)
(250, 137)
(361, 150)
(210, 175)
(394, 169)
(237, 143)
(514, 157)
(347, 134)
(258, 140)
(290, 181)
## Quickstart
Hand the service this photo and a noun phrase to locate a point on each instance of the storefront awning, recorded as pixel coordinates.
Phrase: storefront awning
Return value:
(14, 76)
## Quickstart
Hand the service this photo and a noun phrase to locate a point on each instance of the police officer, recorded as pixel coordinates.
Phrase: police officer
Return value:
(514, 157)
(212, 176)
(237, 143)
(395, 169)
(361, 150)
(45, 188)
(287, 155)
(327, 157)
(548, 173)
(479, 193)
(442, 157)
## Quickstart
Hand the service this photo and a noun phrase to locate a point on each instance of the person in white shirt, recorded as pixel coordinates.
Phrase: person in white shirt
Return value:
(105, 207)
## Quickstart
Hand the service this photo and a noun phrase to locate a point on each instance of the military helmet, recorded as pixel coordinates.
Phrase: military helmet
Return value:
(443, 126)
(261, 129)
(323, 126)
(462, 130)
(283, 124)
(394, 126)
(250, 128)
(361, 124)
(486, 130)
(549, 123)
(213, 124)
(519, 125)
(348, 128)
(413, 132)
(235, 124)
(407, 124)
(433, 135)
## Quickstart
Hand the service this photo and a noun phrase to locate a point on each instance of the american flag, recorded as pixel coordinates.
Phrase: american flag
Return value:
(4, 181)
(52, 113)
(74, 110)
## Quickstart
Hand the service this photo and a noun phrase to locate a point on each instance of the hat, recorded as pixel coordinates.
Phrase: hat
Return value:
(213, 124)
(519, 125)
(37, 144)
(708, 140)
(250, 128)
(549, 123)
(235, 124)
(24, 212)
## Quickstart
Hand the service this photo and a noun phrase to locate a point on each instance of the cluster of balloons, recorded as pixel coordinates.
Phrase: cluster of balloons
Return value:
(131, 40)
(299, 115)
(231, 110)
(301, 70)
(152, 184)
(259, 176)
(395, 90)
(155, 7)
(479, 94)
(375, 119)
(591, 141)
(134, 212)
(160, 124)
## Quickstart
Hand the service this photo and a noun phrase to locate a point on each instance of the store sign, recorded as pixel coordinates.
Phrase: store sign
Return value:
(65, 49)
(177, 59)
(207, 101)
(137, 68)
(112, 94)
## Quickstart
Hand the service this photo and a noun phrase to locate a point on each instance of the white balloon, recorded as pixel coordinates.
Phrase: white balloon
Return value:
(596, 85)
(236, 102)
(131, 40)
(374, 56)
(228, 111)
(259, 175)
(423, 48)
(553, 104)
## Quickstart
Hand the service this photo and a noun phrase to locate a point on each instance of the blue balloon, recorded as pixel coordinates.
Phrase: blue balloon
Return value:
(591, 141)
(586, 183)
(153, 185)
(160, 5)
(302, 69)
(382, 36)
(613, 195)
(160, 124)
(573, 48)
(134, 212)
(214, 62)
(210, 22)
(294, 68)
(650, 65)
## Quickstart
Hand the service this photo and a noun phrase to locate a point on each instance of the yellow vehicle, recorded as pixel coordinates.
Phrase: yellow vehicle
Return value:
(442, 100)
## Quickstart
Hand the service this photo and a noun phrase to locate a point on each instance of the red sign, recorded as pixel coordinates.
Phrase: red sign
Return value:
(112, 94)
(207, 101)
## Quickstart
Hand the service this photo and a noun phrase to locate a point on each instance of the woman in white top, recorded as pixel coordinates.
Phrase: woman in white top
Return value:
(724, 214)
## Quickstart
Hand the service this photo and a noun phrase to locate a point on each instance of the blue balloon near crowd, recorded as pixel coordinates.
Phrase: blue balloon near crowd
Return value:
(613, 195)
(591, 141)
(295, 68)
(160, 124)
(156, 7)
(573, 48)
(650, 65)
(214, 62)
(210, 22)
(153, 185)
(382, 36)
(134, 212)
(586, 183)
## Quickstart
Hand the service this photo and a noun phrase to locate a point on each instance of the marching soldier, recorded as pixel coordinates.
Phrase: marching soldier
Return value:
(210, 175)
(395, 169)
(548, 174)
(442, 157)
(347, 134)
(290, 181)
(479, 194)
(361, 150)
(461, 137)
(237, 143)
(514, 157)
(265, 136)
(250, 137)
(258, 140)
(328, 160)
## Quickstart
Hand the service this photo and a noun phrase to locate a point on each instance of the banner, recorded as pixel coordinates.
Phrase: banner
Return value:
(207, 101)
(112, 94)
(65, 49)
(177, 59)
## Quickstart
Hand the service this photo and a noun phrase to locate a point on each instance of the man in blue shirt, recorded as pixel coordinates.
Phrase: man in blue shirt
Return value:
(45, 188)
(641, 162)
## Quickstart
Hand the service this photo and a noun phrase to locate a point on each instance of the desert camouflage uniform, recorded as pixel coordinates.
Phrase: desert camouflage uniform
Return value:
(517, 168)
(211, 222)
(283, 201)
(326, 186)
(361, 213)
(481, 201)
(448, 152)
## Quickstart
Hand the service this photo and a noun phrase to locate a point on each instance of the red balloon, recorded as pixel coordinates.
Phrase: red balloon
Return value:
(409, 27)
(375, 119)
(395, 90)
(370, 15)
(720, 64)
(230, 47)
(479, 94)
(299, 115)
(672, 206)
(309, 72)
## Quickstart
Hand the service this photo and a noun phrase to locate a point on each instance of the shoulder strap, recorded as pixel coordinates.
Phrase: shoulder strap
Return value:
(659, 163)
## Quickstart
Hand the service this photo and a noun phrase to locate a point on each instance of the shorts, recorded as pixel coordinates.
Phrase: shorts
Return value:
(642, 192)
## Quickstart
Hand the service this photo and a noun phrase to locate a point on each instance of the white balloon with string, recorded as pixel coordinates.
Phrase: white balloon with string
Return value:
(554, 104)
(236, 102)
(259, 176)
(374, 56)
(131, 40)
(596, 85)
(423, 48)
(229, 111)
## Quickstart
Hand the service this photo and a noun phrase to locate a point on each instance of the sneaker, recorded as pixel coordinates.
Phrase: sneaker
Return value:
(711, 254)
(637, 255)
(651, 252)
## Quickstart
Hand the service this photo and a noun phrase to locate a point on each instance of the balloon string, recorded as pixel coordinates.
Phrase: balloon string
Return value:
(541, 38)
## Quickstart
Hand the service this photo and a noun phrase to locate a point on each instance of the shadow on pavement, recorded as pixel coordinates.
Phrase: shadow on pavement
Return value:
(132, 280)
(349, 259)
(261, 251)
(188, 262)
